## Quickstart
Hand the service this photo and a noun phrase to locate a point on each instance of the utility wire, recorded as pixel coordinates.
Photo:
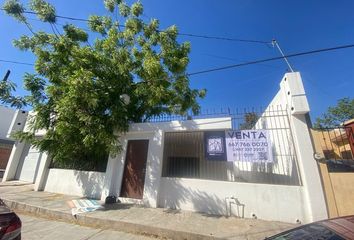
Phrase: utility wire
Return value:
(223, 38)
(181, 34)
(242, 64)
(16, 62)
(239, 60)
(271, 59)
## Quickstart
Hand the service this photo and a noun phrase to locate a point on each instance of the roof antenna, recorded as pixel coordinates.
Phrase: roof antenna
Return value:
(275, 43)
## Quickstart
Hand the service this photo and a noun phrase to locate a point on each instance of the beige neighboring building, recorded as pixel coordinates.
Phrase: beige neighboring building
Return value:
(335, 151)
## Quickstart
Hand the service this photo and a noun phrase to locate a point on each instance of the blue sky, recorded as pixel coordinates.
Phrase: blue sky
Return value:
(297, 25)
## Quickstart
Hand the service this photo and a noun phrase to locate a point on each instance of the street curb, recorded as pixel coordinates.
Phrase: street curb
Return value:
(122, 226)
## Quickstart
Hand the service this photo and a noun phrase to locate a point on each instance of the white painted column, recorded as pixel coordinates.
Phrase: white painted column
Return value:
(43, 170)
(17, 124)
(309, 171)
(294, 94)
(114, 171)
(153, 169)
(109, 178)
(13, 162)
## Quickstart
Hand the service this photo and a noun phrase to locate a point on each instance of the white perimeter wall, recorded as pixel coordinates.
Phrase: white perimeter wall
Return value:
(271, 202)
(292, 97)
(72, 182)
(268, 202)
(154, 132)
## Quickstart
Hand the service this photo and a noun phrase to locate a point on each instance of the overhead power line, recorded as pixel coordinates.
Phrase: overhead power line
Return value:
(271, 59)
(181, 34)
(224, 38)
(240, 64)
(16, 62)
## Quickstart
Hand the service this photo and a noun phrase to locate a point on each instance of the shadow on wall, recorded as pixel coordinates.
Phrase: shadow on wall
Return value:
(24, 153)
(91, 183)
(198, 201)
(152, 177)
(264, 173)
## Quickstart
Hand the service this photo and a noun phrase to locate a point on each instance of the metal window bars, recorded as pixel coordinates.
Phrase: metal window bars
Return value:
(184, 151)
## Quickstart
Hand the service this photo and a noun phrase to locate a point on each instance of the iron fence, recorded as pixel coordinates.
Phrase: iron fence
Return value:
(184, 151)
(236, 114)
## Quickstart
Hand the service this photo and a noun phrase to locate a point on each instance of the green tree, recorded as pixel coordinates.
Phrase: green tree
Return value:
(343, 111)
(250, 119)
(79, 90)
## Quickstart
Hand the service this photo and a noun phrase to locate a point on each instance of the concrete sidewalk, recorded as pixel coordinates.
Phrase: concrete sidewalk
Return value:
(162, 223)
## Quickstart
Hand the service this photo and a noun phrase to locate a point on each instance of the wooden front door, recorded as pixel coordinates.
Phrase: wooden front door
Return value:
(134, 169)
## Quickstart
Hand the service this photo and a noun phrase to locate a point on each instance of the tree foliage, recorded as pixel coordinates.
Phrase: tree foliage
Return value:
(250, 119)
(335, 116)
(6, 96)
(77, 88)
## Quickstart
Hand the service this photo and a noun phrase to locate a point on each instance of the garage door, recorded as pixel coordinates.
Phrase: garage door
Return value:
(28, 170)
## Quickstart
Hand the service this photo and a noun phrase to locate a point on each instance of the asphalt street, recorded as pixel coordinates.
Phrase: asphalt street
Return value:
(34, 228)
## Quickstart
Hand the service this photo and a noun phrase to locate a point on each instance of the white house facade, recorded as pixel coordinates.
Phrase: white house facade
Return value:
(169, 165)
